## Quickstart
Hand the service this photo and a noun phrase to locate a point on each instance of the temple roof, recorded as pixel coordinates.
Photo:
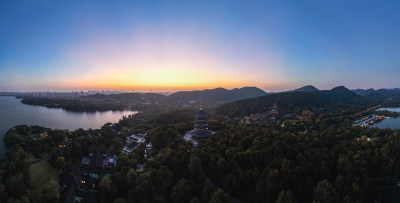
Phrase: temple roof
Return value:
(200, 133)
(201, 113)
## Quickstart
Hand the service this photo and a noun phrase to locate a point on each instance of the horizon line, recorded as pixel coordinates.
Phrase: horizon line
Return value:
(170, 90)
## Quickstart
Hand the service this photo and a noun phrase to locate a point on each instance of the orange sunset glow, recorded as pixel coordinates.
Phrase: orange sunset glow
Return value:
(182, 48)
(200, 101)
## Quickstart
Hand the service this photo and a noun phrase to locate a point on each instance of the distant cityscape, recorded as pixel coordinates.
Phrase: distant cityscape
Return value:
(74, 94)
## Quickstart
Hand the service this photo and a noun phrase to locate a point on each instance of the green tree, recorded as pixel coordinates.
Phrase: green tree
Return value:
(106, 131)
(120, 200)
(221, 166)
(105, 184)
(117, 142)
(194, 165)
(59, 162)
(124, 163)
(325, 192)
(15, 187)
(219, 196)
(3, 195)
(208, 189)
(286, 197)
(182, 191)
(52, 191)
(131, 175)
(195, 200)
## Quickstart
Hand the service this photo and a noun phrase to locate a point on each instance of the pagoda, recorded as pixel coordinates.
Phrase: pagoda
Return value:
(200, 130)
(274, 110)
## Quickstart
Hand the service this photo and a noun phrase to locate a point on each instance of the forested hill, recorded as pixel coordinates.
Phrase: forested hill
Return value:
(140, 101)
(207, 96)
(379, 94)
(216, 95)
(363, 92)
(338, 96)
(307, 88)
(126, 97)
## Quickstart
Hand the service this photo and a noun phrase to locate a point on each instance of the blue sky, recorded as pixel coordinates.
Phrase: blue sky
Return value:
(173, 45)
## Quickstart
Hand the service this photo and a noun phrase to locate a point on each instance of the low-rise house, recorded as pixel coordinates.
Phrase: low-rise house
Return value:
(80, 185)
(133, 142)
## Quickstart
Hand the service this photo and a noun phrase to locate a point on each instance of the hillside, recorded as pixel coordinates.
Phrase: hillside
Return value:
(363, 92)
(101, 102)
(307, 88)
(389, 93)
(339, 96)
(216, 95)
(126, 98)
(379, 94)
(207, 96)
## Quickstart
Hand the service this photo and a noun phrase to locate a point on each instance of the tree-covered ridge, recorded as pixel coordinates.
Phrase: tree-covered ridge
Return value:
(207, 95)
(307, 88)
(268, 164)
(146, 101)
(333, 165)
(173, 175)
(66, 148)
(16, 184)
(72, 104)
(339, 98)
(216, 95)
(244, 100)
(380, 93)
(330, 162)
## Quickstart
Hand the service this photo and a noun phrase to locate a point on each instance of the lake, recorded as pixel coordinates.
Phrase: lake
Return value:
(392, 123)
(13, 112)
(389, 109)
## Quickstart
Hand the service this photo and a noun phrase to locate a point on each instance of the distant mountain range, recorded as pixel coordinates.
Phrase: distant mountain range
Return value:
(363, 92)
(369, 93)
(216, 95)
(208, 96)
(125, 97)
(238, 101)
(307, 88)
(306, 96)
(379, 94)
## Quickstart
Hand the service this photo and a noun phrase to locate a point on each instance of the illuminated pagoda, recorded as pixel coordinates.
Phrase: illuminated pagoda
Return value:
(274, 110)
(200, 130)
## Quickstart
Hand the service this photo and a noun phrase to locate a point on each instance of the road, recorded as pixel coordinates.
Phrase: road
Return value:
(39, 160)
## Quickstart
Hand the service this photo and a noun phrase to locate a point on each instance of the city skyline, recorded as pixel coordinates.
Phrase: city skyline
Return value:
(176, 45)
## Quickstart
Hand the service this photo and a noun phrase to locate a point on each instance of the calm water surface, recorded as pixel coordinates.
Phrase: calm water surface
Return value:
(389, 109)
(392, 123)
(13, 112)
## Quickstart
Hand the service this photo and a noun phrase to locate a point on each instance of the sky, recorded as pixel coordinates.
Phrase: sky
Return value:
(184, 45)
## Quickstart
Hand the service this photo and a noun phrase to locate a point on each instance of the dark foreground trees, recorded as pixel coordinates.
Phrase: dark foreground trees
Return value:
(326, 163)
(327, 166)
